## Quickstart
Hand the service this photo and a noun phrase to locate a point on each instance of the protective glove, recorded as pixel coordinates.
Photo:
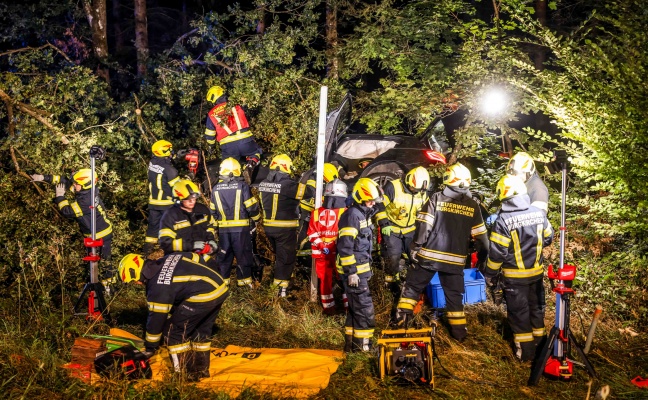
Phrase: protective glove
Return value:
(387, 230)
(38, 178)
(413, 255)
(60, 190)
(213, 247)
(353, 280)
(491, 219)
(198, 246)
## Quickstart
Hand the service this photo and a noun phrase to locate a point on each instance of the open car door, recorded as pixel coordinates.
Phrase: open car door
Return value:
(338, 122)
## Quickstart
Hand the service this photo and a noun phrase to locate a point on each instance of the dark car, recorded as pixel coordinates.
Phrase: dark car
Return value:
(376, 156)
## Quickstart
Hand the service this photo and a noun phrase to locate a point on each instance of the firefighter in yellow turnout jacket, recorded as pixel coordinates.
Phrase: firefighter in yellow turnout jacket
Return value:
(354, 264)
(280, 196)
(188, 225)
(235, 211)
(518, 236)
(184, 297)
(81, 208)
(396, 217)
(444, 227)
(162, 175)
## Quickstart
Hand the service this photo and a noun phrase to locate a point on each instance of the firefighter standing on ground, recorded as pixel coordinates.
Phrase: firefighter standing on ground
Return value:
(280, 196)
(235, 211)
(396, 217)
(184, 297)
(162, 175)
(444, 227)
(322, 234)
(517, 238)
(188, 225)
(81, 208)
(229, 126)
(354, 264)
(522, 166)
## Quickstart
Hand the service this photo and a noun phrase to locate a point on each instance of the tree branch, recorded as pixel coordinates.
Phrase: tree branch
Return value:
(33, 112)
(28, 48)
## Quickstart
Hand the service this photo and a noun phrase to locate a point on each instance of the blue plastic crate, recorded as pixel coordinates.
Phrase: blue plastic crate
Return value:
(474, 289)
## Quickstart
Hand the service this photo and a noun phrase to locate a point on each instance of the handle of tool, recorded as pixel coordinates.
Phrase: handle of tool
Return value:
(592, 329)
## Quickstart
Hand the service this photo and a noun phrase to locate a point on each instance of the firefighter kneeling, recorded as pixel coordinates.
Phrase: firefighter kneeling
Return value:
(184, 297)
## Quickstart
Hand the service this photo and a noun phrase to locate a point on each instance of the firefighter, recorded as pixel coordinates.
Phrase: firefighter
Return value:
(322, 234)
(517, 238)
(229, 126)
(188, 225)
(81, 208)
(444, 227)
(522, 166)
(396, 216)
(162, 175)
(184, 297)
(354, 264)
(307, 205)
(280, 196)
(236, 211)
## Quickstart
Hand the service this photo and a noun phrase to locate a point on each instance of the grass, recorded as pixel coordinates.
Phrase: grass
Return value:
(35, 340)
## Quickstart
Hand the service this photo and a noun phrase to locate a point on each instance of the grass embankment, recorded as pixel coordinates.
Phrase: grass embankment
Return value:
(33, 345)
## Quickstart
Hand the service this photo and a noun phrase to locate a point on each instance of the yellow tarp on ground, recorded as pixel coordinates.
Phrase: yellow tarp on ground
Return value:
(283, 372)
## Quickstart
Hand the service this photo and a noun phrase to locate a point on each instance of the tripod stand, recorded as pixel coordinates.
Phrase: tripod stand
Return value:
(553, 358)
(97, 307)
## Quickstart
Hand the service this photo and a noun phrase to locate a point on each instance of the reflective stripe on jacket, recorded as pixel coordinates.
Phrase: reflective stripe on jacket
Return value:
(226, 124)
(399, 207)
(355, 241)
(80, 209)
(323, 228)
(162, 175)
(179, 229)
(444, 227)
(174, 279)
(517, 237)
(280, 196)
(233, 205)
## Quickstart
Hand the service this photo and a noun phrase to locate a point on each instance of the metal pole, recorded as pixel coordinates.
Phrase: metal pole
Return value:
(560, 302)
(94, 273)
(319, 175)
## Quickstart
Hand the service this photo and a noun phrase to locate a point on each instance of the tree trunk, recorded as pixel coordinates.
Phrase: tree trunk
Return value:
(183, 17)
(141, 37)
(260, 28)
(540, 56)
(332, 39)
(96, 13)
(117, 29)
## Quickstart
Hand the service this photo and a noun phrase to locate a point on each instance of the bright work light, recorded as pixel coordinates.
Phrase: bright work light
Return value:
(494, 101)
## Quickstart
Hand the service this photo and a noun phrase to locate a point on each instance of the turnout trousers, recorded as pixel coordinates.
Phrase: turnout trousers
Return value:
(396, 244)
(284, 245)
(153, 229)
(453, 289)
(240, 149)
(239, 245)
(525, 311)
(360, 321)
(187, 335)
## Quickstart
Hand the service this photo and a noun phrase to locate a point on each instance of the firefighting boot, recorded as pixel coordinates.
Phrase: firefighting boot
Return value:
(361, 344)
(348, 343)
(401, 319)
(198, 366)
(282, 293)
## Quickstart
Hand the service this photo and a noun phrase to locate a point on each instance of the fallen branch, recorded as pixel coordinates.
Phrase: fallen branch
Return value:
(39, 115)
(28, 48)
